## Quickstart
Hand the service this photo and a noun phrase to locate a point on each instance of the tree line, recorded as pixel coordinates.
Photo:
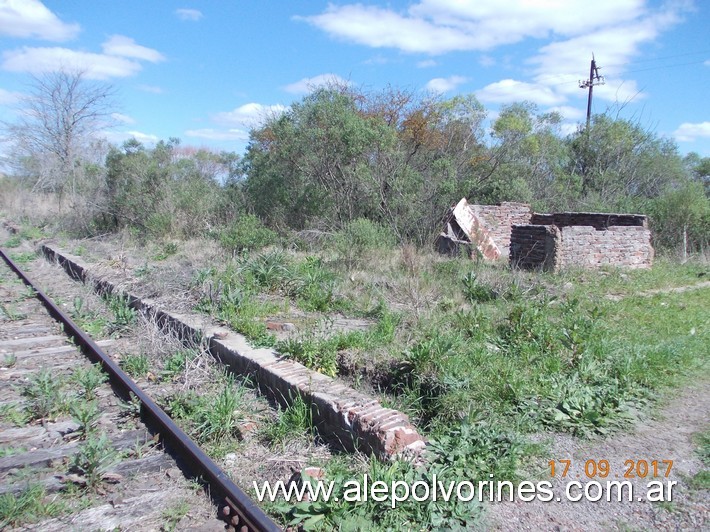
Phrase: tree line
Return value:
(394, 157)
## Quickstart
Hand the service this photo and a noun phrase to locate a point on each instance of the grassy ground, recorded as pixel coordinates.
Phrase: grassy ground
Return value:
(480, 356)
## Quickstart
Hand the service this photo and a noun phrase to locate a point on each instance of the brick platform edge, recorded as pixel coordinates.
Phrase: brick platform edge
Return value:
(342, 415)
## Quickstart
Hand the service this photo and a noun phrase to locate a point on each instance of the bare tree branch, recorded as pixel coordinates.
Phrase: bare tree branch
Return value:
(57, 121)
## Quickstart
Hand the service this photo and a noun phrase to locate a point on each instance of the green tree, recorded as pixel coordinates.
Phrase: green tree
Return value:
(166, 190)
(680, 218)
(528, 159)
(313, 162)
(617, 160)
(698, 169)
(439, 155)
(390, 157)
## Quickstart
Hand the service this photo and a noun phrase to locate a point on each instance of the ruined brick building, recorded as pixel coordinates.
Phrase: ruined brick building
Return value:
(547, 241)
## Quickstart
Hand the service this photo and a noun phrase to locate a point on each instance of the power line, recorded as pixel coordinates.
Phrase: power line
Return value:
(686, 54)
(540, 81)
(665, 66)
(552, 76)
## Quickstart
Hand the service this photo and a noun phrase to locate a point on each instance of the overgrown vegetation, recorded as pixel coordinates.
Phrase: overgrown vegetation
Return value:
(136, 365)
(123, 314)
(342, 158)
(330, 215)
(45, 396)
(90, 321)
(89, 379)
(30, 506)
(212, 417)
(294, 421)
(94, 458)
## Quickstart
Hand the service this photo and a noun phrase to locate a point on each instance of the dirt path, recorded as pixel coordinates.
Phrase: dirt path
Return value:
(669, 436)
(674, 290)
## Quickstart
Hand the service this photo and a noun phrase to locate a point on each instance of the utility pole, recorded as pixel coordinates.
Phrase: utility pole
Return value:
(594, 79)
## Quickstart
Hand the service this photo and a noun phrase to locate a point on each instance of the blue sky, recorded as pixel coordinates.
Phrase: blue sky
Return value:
(206, 71)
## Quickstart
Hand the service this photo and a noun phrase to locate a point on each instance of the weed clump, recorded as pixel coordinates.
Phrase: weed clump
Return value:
(94, 459)
(247, 233)
(360, 237)
(177, 363)
(89, 379)
(27, 507)
(45, 395)
(211, 418)
(123, 315)
(86, 414)
(475, 291)
(135, 365)
(294, 421)
(471, 452)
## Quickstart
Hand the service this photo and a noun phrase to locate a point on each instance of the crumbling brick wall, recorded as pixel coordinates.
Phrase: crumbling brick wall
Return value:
(548, 241)
(535, 246)
(499, 220)
(590, 240)
(597, 220)
(626, 246)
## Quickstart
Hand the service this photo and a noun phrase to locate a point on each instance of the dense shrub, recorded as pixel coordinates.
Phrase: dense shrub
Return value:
(376, 168)
(359, 237)
(245, 234)
(680, 218)
(163, 191)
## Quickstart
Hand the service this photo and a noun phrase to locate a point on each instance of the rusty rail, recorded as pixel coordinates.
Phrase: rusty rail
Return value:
(238, 510)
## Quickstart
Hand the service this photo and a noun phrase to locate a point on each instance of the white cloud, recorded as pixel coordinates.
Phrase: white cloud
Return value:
(31, 19)
(217, 134)
(121, 58)
(440, 26)
(248, 115)
(569, 128)
(689, 132)
(568, 112)
(151, 88)
(188, 14)
(237, 122)
(118, 45)
(379, 28)
(510, 90)
(426, 63)
(306, 85)
(124, 119)
(486, 61)
(145, 138)
(558, 64)
(119, 137)
(526, 18)
(9, 97)
(96, 66)
(614, 30)
(442, 85)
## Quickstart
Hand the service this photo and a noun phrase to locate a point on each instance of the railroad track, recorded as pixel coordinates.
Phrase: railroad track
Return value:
(65, 430)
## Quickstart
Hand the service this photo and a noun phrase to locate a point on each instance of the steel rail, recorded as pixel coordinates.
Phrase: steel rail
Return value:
(243, 513)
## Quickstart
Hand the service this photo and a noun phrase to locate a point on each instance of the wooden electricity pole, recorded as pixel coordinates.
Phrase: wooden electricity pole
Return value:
(594, 79)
